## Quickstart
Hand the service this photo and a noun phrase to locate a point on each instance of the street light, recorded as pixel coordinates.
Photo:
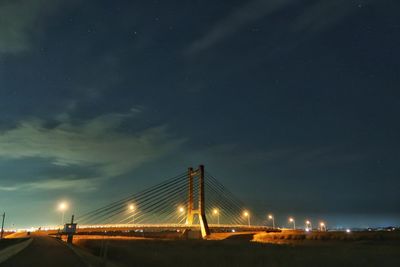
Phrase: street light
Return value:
(247, 214)
(271, 217)
(181, 211)
(308, 225)
(323, 226)
(293, 221)
(132, 209)
(63, 206)
(216, 212)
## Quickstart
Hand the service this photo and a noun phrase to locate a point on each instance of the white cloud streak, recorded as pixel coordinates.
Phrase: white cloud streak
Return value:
(65, 183)
(235, 21)
(316, 17)
(96, 144)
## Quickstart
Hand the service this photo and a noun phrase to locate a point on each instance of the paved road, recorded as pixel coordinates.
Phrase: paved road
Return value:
(45, 251)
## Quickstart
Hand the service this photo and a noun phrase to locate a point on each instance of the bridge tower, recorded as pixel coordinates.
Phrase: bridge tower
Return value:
(201, 210)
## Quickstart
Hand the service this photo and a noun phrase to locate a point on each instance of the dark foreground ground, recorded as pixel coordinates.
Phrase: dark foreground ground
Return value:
(237, 252)
(9, 242)
(44, 251)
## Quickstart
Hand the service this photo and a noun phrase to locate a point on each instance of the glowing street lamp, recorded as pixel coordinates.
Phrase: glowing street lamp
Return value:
(323, 226)
(132, 209)
(181, 211)
(308, 225)
(271, 217)
(291, 219)
(247, 214)
(63, 206)
(216, 213)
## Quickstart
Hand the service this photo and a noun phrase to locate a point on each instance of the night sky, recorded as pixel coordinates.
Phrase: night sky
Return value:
(292, 105)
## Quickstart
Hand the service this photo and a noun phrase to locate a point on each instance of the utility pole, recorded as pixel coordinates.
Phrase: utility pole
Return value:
(2, 225)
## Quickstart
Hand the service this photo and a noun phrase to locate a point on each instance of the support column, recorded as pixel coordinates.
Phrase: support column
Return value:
(189, 218)
(205, 231)
(200, 211)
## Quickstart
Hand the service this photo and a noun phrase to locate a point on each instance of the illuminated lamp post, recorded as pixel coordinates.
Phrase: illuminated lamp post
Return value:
(293, 221)
(247, 214)
(271, 217)
(132, 209)
(63, 206)
(216, 213)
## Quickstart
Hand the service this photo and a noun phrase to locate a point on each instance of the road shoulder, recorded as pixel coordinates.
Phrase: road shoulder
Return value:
(13, 250)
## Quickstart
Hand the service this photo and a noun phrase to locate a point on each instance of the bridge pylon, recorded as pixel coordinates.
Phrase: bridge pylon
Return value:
(200, 211)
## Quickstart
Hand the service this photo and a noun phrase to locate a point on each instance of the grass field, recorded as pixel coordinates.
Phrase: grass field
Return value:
(240, 251)
(301, 236)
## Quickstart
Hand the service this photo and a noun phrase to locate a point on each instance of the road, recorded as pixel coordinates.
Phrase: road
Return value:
(45, 251)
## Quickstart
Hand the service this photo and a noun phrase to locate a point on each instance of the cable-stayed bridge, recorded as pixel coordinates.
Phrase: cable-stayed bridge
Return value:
(194, 199)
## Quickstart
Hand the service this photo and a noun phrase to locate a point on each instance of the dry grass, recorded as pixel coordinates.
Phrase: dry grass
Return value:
(240, 252)
(299, 236)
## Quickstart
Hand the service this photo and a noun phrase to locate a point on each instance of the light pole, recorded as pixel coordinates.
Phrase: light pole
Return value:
(132, 209)
(247, 214)
(63, 206)
(181, 211)
(271, 217)
(308, 225)
(216, 212)
(294, 222)
(323, 226)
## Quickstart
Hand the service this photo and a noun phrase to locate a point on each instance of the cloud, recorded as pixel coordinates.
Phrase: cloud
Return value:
(313, 18)
(18, 20)
(235, 21)
(98, 144)
(70, 183)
